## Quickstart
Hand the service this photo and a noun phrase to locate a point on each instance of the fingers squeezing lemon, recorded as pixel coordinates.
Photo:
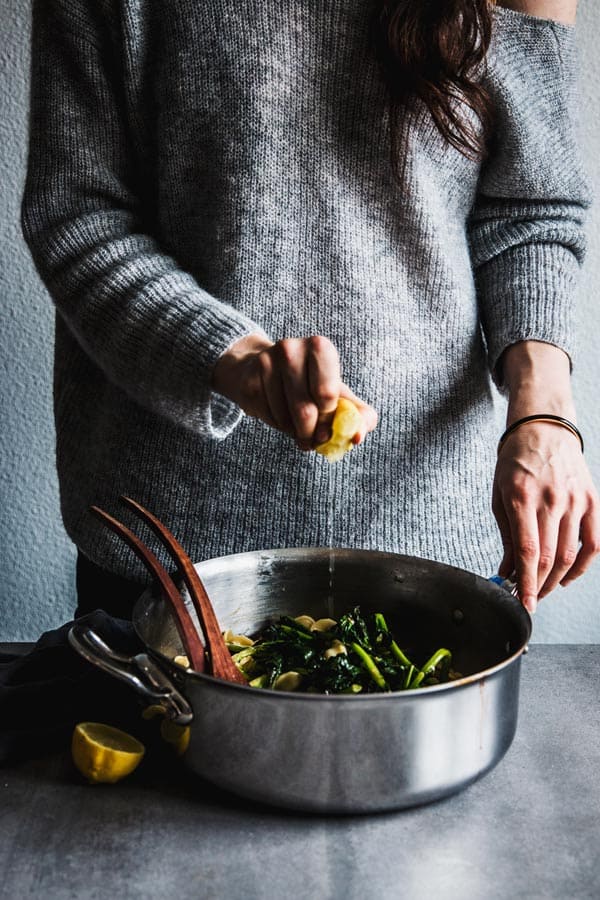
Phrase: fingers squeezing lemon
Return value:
(103, 753)
(346, 422)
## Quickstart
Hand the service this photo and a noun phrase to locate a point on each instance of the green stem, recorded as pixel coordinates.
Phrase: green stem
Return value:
(400, 656)
(409, 675)
(435, 660)
(303, 635)
(381, 623)
(237, 648)
(430, 666)
(369, 665)
(396, 651)
(417, 680)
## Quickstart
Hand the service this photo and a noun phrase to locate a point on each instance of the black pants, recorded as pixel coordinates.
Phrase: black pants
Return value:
(99, 589)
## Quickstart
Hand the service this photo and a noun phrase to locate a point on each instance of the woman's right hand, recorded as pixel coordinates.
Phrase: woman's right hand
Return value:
(293, 384)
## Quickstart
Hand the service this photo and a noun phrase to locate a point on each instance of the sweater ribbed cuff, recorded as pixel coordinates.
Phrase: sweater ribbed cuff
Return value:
(529, 295)
(219, 326)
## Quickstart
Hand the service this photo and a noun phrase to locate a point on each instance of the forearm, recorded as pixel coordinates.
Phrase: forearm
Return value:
(527, 227)
(538, 380)
(543, 497)
(144, 321)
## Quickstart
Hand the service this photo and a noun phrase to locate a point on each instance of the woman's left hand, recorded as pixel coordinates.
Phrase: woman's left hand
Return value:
(545, 504)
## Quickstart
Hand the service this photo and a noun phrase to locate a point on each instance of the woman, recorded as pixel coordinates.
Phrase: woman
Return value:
(260, 207)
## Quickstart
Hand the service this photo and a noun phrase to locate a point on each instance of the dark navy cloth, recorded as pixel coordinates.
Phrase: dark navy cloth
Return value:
(44, 693)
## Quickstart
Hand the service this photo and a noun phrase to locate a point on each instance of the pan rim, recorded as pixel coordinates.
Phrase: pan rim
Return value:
(295, 696)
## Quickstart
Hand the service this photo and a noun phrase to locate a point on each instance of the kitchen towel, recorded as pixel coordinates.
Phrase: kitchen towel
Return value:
(44, 693)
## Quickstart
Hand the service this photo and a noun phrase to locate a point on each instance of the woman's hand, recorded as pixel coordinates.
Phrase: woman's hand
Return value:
(292, 385)
(545, 502)
(543, 496)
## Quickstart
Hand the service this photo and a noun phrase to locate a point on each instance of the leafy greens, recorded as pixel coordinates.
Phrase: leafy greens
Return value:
(356, 654)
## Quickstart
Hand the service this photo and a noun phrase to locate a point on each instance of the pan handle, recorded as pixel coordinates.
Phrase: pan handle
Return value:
(139, 671)
(508, 584)
(511, 586)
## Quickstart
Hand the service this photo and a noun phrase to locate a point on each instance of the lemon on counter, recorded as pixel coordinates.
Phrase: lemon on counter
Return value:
(178, 736)
(103, 753)
(346, 422)
(152, 711)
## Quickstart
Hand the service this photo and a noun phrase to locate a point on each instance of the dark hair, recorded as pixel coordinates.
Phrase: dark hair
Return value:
(435, 50)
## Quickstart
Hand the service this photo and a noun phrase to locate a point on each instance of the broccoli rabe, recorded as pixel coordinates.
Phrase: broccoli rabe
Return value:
(357, 654)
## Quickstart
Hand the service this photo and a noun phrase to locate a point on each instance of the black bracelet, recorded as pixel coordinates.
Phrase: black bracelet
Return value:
(542, 417)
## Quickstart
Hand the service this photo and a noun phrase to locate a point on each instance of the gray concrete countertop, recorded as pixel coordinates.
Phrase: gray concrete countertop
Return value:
(529, 829)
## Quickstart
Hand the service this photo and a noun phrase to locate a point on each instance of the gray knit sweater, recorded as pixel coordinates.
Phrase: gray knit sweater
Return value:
(201, 171)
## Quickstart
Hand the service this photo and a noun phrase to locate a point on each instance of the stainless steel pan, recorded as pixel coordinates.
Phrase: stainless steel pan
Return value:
(350, 753)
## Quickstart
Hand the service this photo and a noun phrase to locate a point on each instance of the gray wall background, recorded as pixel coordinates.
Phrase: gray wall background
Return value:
(36, 557)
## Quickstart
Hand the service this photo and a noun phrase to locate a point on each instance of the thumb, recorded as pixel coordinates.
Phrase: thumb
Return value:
(368, 414)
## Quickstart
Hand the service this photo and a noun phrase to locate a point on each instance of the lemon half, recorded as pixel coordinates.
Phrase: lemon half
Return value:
(346, 422)
(103, 753)
(176, 735)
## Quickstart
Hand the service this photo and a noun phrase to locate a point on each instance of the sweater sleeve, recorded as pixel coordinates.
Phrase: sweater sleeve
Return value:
(145, 322)
(527, 226)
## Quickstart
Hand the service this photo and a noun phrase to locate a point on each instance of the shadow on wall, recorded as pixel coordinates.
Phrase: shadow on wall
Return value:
(36, 557)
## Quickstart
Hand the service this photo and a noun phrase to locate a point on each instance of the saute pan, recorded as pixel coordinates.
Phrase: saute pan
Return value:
(339, 753)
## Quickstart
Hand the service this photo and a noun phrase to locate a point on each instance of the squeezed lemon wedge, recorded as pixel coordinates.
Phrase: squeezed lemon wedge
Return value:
(346, 422)
(103, 753)
(176, 735)
(152, 711)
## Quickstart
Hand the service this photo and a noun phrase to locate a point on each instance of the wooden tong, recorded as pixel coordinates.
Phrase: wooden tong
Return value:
(220, 662)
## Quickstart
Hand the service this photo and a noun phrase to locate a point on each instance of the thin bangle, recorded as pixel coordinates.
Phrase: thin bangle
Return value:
(543, 417)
